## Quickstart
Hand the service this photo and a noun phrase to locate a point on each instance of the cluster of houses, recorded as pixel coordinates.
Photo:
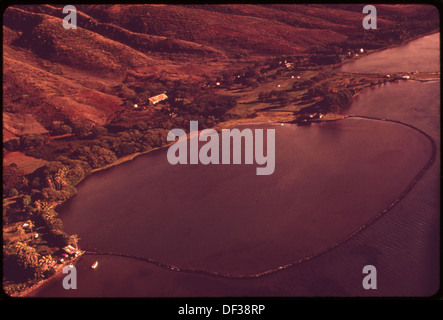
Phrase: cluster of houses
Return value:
(68, 252)
(395, 76)
(295, 62)
(306, 119)
(289, 63)
(355, 52)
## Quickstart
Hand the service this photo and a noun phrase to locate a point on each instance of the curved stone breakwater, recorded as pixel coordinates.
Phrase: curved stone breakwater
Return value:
(299, 261)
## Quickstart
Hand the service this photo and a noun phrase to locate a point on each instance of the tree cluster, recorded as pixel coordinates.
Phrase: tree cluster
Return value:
(332, 102)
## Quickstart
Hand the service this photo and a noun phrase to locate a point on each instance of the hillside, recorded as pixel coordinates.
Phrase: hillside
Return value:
(52, 74)
(81, 100)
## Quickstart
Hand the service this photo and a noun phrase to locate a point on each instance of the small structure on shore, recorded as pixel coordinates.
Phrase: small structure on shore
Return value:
(70, 250)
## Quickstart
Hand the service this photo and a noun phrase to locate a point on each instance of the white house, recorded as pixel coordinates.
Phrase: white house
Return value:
(156, 99)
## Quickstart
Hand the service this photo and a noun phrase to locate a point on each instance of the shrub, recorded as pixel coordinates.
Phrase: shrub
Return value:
(20, 262)
(32, 141)
(12, 192)
(57, 237)
(49, 219)
(62, 129)
(95, 156)
(12, 144)
(13, 178)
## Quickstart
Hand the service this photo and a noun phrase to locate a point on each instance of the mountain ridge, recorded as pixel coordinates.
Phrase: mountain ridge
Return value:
(53, 74)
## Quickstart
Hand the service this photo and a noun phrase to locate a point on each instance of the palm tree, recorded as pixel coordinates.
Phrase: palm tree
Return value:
(75, 239)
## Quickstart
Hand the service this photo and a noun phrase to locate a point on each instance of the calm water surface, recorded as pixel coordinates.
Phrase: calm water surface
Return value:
(330, 179)
(422, 55)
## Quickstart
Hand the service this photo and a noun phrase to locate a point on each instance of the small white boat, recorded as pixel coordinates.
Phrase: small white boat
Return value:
(94, 265)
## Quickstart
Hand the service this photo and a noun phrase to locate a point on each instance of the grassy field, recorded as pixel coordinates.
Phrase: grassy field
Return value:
(24, 162)
(250, 106)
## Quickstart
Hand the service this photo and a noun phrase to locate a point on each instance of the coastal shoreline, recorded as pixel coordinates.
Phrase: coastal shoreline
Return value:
(273, 270)
(392, 46)
(217, 127)
(58, 270)
(167, 266)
